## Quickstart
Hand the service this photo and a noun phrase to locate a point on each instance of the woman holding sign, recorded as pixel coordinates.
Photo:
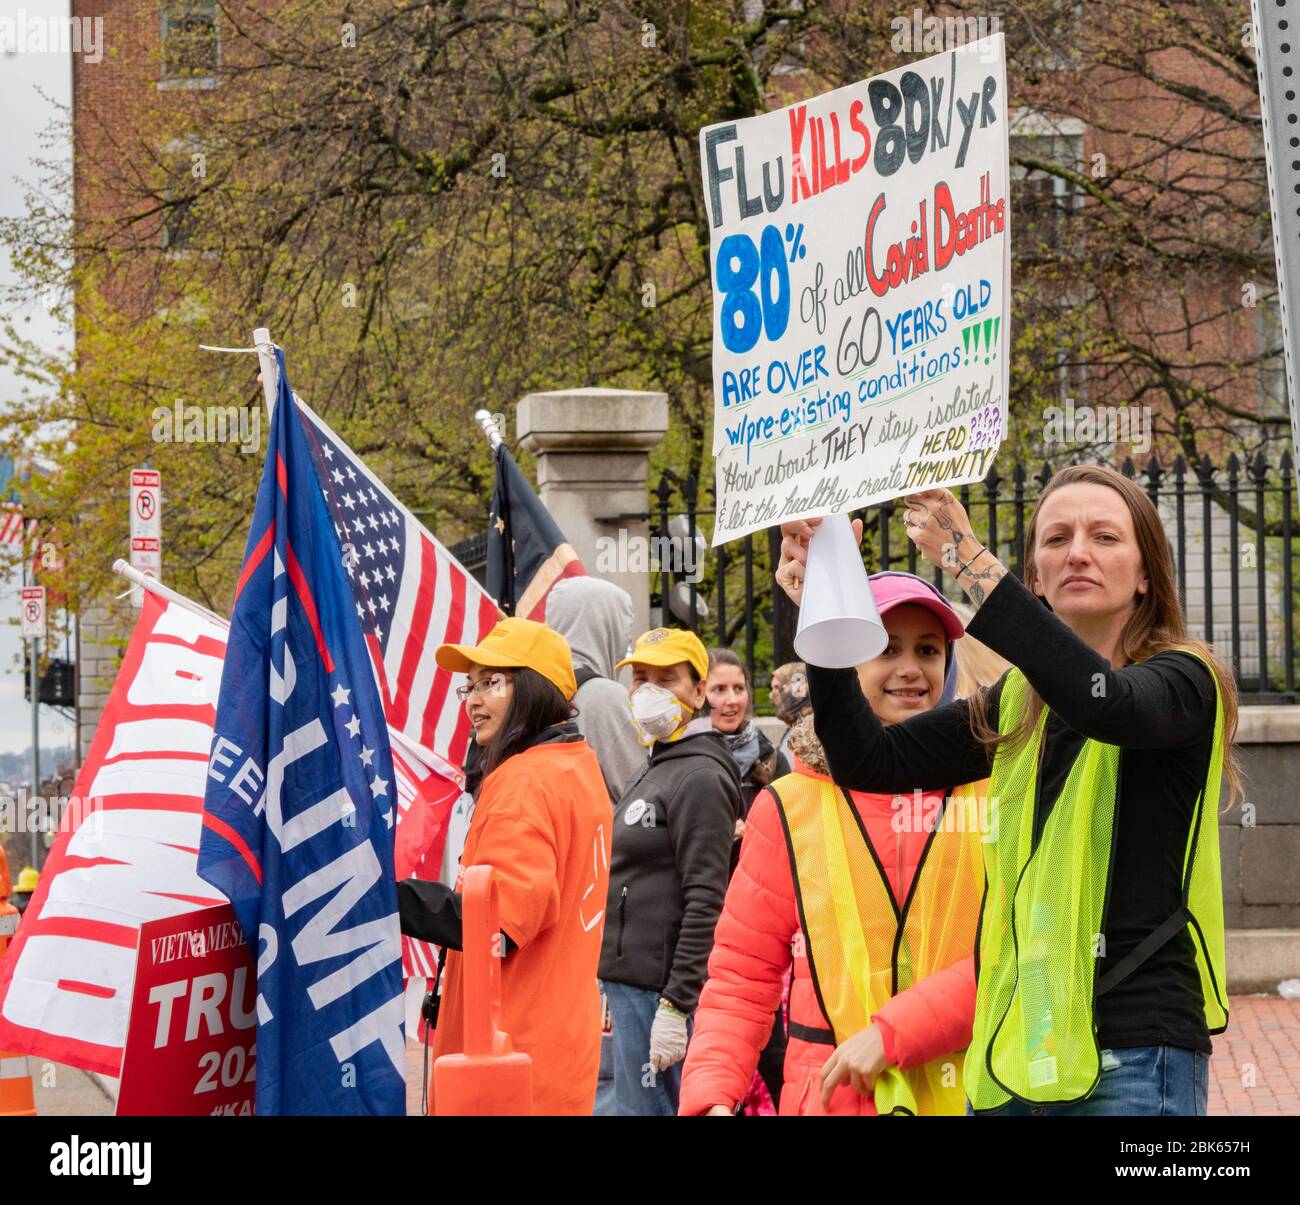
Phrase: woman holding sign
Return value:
(1100, 960)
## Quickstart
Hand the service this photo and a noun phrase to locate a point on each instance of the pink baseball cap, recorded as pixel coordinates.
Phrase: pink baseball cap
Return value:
(892, 589)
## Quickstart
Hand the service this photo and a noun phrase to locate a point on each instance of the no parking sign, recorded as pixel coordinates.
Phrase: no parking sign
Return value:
(33, 608)
(146, 525)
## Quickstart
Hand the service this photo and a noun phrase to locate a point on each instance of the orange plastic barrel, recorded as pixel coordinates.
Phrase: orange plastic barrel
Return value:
(489, 1078)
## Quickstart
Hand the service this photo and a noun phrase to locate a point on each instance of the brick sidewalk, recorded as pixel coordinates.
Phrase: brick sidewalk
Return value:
(1254, 1071)
(1255, 1068)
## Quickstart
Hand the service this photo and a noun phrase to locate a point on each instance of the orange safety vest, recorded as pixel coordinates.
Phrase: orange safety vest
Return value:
(862, 948)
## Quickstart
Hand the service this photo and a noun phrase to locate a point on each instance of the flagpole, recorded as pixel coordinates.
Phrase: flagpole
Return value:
(270, 370)
(412, 748)
(484, 420)
(154, 586)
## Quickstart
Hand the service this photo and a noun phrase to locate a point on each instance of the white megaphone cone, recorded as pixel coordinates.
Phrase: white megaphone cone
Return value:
(839, 625)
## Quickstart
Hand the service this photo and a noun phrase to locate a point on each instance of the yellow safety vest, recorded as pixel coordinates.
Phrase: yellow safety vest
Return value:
(1041, 927)
(862, 947)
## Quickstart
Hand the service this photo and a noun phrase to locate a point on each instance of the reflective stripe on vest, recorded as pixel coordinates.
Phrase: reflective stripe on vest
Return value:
(859, 952)
(1041, 930)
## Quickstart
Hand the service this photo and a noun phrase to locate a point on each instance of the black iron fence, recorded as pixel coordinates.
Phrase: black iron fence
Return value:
(1230, 530)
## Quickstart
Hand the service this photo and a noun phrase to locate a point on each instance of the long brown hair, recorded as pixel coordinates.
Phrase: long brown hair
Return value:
(535, 704)
(1155, 626)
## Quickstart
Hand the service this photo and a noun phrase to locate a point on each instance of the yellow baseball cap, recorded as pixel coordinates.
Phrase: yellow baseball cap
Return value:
(514, 643)
(669, 646)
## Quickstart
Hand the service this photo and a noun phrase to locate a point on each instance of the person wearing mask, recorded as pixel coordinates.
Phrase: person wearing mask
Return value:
(542, 822)
(730, 701)
(873, 898)
(1101, 952)
(595, 618)
(788, 694)
(673, 830)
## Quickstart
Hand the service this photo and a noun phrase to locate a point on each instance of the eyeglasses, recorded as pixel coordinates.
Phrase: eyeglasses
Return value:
(492, 684)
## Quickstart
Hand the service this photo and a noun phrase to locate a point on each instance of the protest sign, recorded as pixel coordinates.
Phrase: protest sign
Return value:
(861, 269)
(190, 1042)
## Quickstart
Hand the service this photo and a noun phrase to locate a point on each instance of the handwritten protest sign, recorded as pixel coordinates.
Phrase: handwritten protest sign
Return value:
(861, 271)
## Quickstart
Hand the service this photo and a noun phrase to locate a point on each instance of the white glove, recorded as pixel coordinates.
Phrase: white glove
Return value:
(667, 1038)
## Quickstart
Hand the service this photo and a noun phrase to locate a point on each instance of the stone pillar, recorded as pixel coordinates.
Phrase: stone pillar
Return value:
(102, 632)
(593, 448)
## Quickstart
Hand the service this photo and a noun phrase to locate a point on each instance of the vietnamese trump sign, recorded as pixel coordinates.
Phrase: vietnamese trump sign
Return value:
(861, 270)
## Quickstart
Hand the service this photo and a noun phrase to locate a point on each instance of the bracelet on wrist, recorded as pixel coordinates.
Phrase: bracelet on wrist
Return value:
(669, 1006)
(962, 568)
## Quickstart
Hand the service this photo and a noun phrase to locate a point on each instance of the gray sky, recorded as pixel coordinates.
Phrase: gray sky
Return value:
(23, 77)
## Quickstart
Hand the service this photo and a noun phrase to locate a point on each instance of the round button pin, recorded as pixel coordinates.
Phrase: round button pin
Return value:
(635, 810)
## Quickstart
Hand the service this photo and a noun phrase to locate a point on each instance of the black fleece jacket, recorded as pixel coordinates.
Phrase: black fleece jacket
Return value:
(673, 830)
(1160, 713)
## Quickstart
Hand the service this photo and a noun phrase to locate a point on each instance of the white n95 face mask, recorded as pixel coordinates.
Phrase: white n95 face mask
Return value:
(657, 713)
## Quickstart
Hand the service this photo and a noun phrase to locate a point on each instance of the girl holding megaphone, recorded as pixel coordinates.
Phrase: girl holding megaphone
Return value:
(1100, 956)
(870, 898)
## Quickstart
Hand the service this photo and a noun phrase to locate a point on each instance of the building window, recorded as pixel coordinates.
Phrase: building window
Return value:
(191, 45)
(1046, 205)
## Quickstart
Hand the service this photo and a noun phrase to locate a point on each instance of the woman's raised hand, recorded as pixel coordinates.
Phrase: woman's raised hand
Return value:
(794, 554)
(940, 528)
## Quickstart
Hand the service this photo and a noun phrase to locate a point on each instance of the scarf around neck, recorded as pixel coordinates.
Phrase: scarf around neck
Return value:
(743, 744)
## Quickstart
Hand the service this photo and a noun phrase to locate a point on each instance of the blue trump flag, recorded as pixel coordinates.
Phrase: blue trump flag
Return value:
(299, 815)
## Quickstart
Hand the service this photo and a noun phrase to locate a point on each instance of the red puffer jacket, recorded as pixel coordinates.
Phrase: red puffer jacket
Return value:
(752, 948)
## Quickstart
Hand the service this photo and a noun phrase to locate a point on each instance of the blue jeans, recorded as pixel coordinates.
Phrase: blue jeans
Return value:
(639, 1090)
(1141, 1081)
(605, 1104)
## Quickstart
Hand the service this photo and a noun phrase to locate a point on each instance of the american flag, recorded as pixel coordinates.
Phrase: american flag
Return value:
(411, 595)
(12, 530)
(425, 797)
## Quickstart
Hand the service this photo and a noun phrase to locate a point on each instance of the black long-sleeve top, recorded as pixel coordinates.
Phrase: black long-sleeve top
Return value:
(1160, 713)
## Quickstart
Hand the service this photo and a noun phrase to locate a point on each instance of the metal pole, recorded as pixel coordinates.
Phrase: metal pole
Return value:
(270, 370)
(484, 420)
(36, 747)
(1275, 34)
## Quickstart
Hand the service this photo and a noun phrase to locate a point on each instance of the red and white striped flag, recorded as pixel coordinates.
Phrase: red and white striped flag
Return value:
(411, 596)
(12, 530)
(127, 849)
(426, 795)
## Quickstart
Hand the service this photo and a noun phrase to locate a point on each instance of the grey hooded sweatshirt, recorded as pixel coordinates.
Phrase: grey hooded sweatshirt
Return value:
(595, 617)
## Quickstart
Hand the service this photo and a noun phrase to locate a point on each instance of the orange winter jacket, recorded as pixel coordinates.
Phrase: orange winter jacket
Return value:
(542, 822)
(752, 949)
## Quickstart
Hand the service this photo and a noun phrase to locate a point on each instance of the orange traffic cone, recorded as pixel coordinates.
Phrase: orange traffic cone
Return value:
(16, 1097)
